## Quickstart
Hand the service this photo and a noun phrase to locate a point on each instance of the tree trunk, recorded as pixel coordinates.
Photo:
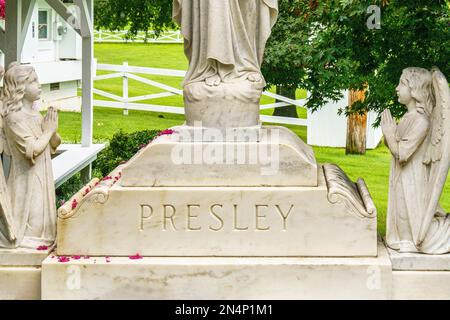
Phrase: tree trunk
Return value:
(288, 111)
(356, 126)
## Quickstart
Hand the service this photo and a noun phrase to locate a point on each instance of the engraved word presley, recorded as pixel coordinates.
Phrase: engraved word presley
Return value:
(215, 217)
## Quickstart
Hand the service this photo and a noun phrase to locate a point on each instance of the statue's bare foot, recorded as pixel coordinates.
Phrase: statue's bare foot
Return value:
(254, 77)
(213, 81)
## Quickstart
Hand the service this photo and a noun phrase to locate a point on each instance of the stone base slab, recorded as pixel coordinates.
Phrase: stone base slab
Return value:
(218, 278)
(419, 261)
(20, 273)
(20, 283)
(22, 257)
(421, 285)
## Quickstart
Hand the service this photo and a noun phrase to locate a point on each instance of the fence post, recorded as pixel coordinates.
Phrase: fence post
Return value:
(125, 88)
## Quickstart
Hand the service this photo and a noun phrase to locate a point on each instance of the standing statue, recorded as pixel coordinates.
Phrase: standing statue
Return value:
(224, 41)
(420, 146)
(31, 140)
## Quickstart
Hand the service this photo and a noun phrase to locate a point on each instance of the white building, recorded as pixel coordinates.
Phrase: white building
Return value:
(54, 49)
(329, 129)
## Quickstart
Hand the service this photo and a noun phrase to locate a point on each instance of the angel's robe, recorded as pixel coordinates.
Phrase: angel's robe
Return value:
(7, 232)
(224, 37)
(30, 182)
(409, 189)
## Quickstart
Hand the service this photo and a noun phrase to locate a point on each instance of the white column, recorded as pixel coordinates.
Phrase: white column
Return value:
(87, 100)
(13, 28)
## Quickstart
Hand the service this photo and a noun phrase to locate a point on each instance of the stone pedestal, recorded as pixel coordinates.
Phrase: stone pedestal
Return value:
(420, 276)
(272, 156)
(20, 274)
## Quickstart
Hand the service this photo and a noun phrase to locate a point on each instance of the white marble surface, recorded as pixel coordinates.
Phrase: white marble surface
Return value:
(421, 285)
(281, 158)
(20, 283)
(216, 221)
(22, 257)
(218, 278)
(419, 261)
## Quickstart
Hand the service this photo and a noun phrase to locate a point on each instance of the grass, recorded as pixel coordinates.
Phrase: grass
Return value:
(373, 166)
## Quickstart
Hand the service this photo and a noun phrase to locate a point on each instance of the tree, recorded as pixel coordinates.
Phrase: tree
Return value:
(134, 16)
(337, 50)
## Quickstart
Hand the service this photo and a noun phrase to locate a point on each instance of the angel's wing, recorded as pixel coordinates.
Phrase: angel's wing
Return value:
(438, 155)
(5, 202)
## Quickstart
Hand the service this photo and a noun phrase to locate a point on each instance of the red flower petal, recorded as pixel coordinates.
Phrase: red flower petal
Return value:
(137, 256)
(63, 259)
(42, 248)
(74, 203)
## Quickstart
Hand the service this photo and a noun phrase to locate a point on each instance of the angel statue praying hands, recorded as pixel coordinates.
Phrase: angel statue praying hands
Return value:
(29, 220)
(420, 146)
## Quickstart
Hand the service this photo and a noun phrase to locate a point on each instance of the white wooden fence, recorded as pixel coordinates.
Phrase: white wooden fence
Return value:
(172, 36)
(126, 102)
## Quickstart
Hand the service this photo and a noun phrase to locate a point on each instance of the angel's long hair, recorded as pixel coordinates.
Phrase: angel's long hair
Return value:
(420, 82)
(14, 84)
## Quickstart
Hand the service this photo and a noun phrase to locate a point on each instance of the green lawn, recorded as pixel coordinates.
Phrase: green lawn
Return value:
(373, 167)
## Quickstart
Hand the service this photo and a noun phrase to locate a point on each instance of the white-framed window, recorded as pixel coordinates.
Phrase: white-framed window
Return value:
(44, 24)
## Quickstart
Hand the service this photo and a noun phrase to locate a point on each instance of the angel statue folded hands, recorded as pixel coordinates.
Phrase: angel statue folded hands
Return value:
(420, 146)
(31, 139)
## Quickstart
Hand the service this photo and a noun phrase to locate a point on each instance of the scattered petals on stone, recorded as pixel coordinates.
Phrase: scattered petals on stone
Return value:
(63, 259)
(137, 256)
(74, 203)
(76, 257)
(86, 257)
(166, 132)
(107, 178)
(42, 248)
(107, 260)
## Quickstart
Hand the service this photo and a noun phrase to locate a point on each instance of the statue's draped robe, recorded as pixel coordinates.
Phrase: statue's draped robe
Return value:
(410, 188)
(224, 37)
(30, 182)
(6, 219)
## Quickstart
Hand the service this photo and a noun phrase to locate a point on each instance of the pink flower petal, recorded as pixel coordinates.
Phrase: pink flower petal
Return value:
(137, 256)
(63, 259)
(42, 248)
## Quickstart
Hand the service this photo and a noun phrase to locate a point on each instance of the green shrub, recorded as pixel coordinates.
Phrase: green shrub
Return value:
(121, 148)
(68, 189)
